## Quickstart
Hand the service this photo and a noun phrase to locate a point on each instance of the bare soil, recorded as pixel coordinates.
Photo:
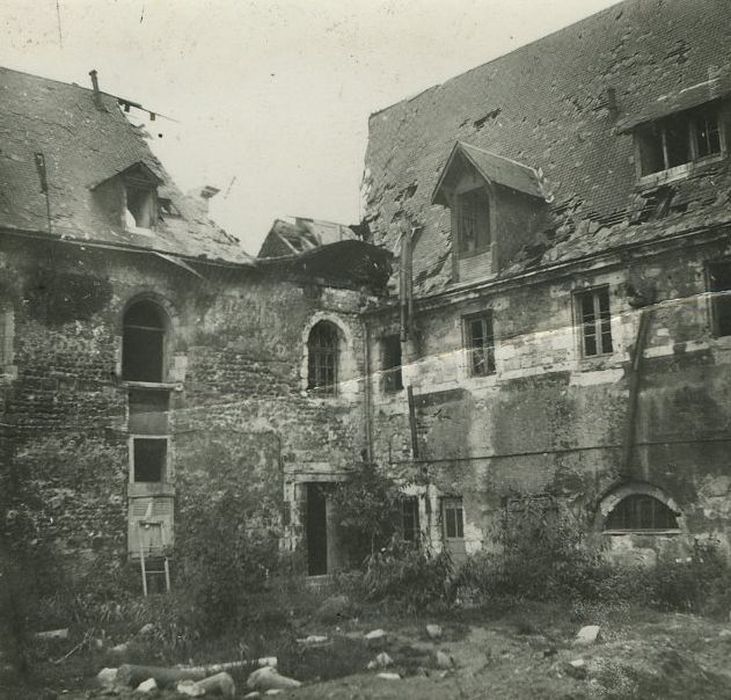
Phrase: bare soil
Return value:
(522, 653)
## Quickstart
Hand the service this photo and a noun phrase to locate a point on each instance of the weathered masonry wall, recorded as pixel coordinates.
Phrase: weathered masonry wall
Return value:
(550, 421)
(238, 419)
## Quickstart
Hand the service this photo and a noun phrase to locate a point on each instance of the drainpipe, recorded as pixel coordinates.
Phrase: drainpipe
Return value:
(635, 375)
(367, 390)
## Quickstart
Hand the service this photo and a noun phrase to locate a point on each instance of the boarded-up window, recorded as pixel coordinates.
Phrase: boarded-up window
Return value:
(322, 358)
(720, 282)
(641, 512)
(595, 320)
(148, 411)
(480, 343)
(143, 342)
(473, 221)
(149, 459)
(392, 378)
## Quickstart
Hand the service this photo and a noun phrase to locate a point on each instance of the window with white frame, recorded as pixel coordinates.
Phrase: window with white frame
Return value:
(679, 139)
(595, 321)
(480, 344)
(452, 519)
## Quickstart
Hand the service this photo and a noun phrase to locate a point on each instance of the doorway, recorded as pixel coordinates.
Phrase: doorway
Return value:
(316, 529)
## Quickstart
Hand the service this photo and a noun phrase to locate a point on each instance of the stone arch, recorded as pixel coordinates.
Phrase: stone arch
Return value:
(616, 495)
(345, 355)
(146, 327)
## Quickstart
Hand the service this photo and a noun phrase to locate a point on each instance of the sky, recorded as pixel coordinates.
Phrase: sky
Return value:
(269, 99)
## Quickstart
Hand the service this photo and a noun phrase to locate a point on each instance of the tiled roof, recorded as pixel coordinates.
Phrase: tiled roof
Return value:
(560, 104)
(82, 147)
(495, 168)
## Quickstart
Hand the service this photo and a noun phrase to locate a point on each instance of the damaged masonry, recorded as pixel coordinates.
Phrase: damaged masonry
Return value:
(534, 313)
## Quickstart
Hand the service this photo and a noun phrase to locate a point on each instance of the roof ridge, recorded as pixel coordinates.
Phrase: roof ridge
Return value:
(522, 47)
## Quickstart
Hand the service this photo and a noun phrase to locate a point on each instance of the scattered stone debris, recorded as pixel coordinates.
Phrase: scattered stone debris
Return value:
(122, 648)
(267, 678)
(387, 676)
(220, 684)
(107, 677)
(314, 640)
(190, 689)
(588, 635)
(576, 669)
(54, 634)
(147, 686)
(146, 630)
(378, 635)
(434, 631)
(383, 660)
(443, 660)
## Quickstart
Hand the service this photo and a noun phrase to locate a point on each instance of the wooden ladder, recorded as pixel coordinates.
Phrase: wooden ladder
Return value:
(147, 525)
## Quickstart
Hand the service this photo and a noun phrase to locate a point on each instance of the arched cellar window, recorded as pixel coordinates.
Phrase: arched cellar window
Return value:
(322, 358)
(641, 513)
(143, 342)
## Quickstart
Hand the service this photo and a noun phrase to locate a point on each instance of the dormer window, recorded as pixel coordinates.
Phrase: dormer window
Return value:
(141, 206)
(678, 140)
(473, 221)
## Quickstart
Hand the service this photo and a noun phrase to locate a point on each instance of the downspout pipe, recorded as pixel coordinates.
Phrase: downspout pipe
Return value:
(367, 409)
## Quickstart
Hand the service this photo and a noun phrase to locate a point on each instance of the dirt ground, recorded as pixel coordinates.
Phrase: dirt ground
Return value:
(525, 653)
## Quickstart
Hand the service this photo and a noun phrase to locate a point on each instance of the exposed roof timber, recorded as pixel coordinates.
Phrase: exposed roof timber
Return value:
(139, 165)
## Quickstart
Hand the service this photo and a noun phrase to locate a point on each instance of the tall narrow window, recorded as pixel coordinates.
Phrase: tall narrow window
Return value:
(392, 380)
(143, 343)
(720, 279)
(7, 332)
(453, 518)
(410, 519)
(640, 512)
(473, 221)
(322, 358)
(480, 342)
(595, 319)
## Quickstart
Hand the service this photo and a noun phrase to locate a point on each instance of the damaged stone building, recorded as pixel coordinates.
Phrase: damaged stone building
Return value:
(535, 312)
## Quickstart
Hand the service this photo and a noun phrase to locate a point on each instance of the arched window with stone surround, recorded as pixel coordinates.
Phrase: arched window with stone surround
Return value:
(144, 331)
(322, 358)
(641, 512)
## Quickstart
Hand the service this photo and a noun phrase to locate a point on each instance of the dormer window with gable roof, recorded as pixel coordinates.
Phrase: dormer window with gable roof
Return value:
(496, 206)
(130, 197)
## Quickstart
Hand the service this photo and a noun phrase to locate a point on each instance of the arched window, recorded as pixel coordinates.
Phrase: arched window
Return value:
(322, 358)
(641, 512)
(143, 342)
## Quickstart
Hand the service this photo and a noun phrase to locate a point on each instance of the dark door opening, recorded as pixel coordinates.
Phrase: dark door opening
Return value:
(316, 530)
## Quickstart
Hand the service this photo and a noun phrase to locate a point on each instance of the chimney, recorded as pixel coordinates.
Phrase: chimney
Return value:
(97, 95)
(207, 192)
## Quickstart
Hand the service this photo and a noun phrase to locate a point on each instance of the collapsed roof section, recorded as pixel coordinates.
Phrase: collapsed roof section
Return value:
(62, 145)
(301, 234)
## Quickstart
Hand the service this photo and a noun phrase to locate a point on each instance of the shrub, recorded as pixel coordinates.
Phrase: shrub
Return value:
(368, 508)
(414, 577)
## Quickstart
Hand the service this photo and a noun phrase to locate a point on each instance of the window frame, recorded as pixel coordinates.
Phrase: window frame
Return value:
(410, 534)
(657, 507)
(690, 120)
(7, 338)
(580, 324)
(460, 197)
(162, 330)
(452, 504)
(391, 374)
(166, 466)
(315, 355)
(487, 319)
